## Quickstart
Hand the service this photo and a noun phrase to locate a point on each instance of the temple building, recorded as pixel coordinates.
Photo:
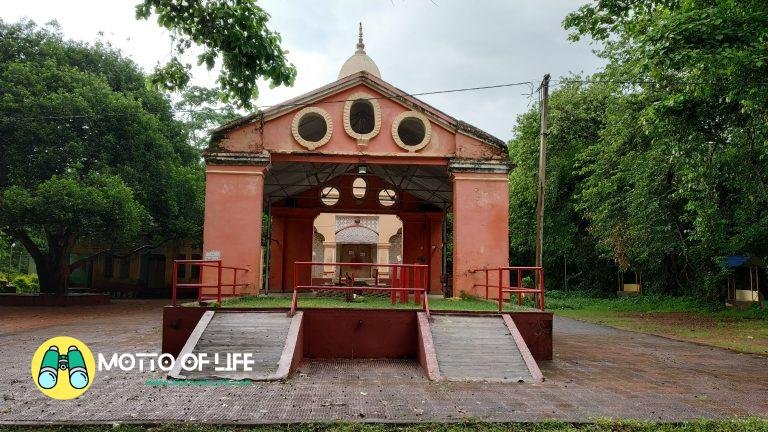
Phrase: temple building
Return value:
(356, 171)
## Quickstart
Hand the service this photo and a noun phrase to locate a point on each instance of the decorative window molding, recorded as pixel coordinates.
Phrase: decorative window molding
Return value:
(357, 234)
(312, 111)
(410, 116)
(362, 138)
(359, 188)
(330, 196)
(387, 197)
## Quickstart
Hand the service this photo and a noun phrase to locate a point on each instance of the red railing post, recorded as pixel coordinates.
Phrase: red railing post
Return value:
(218, 295)
(486, 281)
(393, 283)
(426, 295)
(541, 288)
(175, 280)
(295, 298)
(417, 284)
(501, 293)
(405, 283)
(234, 281)
(519, 285)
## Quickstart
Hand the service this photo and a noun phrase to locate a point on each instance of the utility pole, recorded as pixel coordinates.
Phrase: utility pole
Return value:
(544, 89)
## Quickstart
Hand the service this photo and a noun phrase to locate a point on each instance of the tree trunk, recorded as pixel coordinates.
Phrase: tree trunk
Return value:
(54, 273)
(53, 264)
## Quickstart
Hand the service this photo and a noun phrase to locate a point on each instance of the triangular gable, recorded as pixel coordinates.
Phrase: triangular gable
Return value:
(386, 90)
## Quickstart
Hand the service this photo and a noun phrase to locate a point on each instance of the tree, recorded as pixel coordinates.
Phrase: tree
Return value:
(679, 175)
(89, 151)
(201, 111)
(571, 256)
(232, 31)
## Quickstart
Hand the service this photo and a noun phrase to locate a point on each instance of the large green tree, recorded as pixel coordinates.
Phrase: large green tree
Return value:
(89, 151)
(679, 175)
(571, 258)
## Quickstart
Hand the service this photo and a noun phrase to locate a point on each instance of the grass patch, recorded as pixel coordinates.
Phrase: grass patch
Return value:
(361, 302)
(748, 425)
(684, 318)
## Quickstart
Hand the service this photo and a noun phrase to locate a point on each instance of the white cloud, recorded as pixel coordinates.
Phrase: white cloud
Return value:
(419, 45)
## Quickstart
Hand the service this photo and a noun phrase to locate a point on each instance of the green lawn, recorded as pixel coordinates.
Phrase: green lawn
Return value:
(684, 318)
(361, 302)
(750, 425)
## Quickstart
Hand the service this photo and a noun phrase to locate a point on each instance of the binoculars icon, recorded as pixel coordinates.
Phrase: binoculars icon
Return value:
(72, 361)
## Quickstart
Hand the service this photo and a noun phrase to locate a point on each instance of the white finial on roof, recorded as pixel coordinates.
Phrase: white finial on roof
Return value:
(359, 60)
(360, 44)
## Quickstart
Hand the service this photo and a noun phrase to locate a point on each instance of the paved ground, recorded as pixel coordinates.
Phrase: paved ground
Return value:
(598, 371)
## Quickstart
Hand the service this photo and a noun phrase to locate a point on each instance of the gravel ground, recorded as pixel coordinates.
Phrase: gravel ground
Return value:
(597, 372)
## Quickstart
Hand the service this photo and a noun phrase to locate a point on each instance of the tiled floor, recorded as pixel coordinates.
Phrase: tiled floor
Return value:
(597, 372)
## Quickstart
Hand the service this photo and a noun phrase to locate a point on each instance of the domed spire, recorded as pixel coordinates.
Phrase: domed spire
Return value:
(359, 61)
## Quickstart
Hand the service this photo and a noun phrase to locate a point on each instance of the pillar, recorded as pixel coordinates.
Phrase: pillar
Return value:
(435, 252)
(276, 253)
(481, 223)
(292, 231)
(422, 244)
(382, 257)
(232, 227)
(329, 256)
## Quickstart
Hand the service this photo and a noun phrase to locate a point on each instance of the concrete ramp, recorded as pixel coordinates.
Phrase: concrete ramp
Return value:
(270, 337)
(481, 348)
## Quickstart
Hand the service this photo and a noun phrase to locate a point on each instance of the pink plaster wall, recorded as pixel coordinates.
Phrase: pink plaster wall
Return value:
(276, 136)
(233, 207)
(480, 227)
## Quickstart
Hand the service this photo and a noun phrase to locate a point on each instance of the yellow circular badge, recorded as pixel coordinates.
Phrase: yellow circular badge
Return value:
(63, 367)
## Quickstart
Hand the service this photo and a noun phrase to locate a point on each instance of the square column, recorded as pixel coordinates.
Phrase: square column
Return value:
(329, 255)
(423, 244)
(480, 226)
(382, 257)
(232, 228)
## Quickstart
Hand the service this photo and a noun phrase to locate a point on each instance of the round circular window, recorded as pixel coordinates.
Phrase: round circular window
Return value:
(362, 117)
(329, 196)
(411, 130)
(312, 127)
(387, 197)
(359, 187)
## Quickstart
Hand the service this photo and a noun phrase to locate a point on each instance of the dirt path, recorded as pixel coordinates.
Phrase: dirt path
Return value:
(741, 335)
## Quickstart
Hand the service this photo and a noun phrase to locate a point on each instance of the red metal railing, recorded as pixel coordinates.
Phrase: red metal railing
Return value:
(216, 264)
(403, 279)
(519, 289)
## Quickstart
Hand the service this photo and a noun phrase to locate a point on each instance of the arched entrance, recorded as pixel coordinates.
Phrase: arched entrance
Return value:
(364, 218)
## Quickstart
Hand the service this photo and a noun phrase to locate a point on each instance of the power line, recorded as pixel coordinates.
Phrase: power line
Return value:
(530, 84)
(297, 104)
(562, 80)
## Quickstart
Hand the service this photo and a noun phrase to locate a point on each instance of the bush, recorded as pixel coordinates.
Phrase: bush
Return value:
(26, 284)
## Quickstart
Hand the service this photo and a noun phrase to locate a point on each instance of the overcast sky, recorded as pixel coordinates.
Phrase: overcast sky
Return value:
(418, 45)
